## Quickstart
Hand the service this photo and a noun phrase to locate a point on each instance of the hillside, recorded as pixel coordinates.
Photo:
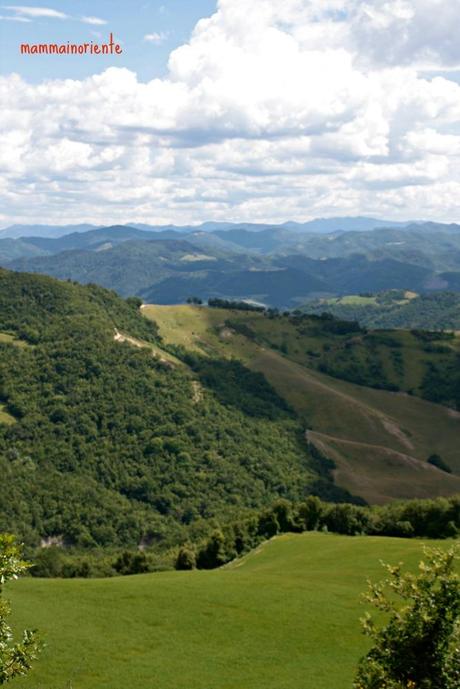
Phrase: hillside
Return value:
(268, 620)
(128, 267)
(105, 439)
(394, 309)
(281, 266)
(110, 435)
(378, 439)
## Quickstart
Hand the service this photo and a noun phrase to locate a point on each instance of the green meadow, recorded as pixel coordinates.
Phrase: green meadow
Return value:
(284, 617)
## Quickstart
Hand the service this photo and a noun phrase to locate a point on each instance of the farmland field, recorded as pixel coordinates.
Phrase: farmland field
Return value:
(284, 617)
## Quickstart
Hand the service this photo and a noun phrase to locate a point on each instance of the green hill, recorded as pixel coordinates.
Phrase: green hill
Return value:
(286, 616)
(106, 441)
(379, 439)
(394, 309)
(278, 266)
(110, 437)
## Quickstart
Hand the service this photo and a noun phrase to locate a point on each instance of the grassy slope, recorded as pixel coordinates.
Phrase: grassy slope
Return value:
(284, 617)
(398, 431)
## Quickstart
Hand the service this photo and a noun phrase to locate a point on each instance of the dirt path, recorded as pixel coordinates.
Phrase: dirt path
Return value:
(312, 435)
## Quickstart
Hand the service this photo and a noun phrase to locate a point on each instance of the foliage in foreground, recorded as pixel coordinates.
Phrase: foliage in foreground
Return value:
(15, 657)
(418, 646)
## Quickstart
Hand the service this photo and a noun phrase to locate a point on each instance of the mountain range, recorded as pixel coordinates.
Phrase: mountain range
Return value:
(281, 266)
(359, 223)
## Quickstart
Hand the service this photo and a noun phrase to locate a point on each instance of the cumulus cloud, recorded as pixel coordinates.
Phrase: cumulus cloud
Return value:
(414, 32)
(271, 111)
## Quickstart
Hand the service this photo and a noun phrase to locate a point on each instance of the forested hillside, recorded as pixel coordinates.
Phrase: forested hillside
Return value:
(110, 435)
(103, 442)
(280, 266)
(394, 309)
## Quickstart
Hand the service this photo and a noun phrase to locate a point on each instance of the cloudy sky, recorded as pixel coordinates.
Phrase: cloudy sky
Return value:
(231, 110)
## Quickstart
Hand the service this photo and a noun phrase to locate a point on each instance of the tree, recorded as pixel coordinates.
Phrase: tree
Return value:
(418, 646)
(186, 558)
(438, 462)
(15, 658)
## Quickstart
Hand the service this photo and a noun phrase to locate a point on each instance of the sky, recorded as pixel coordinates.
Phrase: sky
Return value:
(229, 110)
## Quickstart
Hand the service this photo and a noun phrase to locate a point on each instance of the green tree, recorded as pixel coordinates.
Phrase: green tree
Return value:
(418, 644)
(15, 657)
(186, 558)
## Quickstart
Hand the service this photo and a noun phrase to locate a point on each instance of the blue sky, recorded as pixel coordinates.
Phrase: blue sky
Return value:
(168, 23)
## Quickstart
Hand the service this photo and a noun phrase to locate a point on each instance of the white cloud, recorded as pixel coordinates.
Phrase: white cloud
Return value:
(155, 37)
(35, 12)
(417, 32)
(24, 13)
(270, 111)
(14, 19)
(95, 21)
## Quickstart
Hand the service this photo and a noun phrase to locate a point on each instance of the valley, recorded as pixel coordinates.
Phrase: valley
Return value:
(281, 266)
(230, 345)
(141, 438)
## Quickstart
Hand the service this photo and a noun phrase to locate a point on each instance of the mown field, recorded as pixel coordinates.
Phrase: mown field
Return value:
(284, 617)
(379, 440)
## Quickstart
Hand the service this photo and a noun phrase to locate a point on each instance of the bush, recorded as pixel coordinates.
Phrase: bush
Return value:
(131, 563)
(186, 558)
(418, 644)
(15, 658)
(438, 462)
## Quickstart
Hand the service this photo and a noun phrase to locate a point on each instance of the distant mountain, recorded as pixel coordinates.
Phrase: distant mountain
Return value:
(354, 274)
(16, 231)
(276, 266)
(11, 249)
(92, 239)
(263, 241)
(271, 287)
(394, 309)
(128, 267)
(168, 271)
(449, 228)
(347, 224)
(436, 247)
(322, 225)
(284, 283)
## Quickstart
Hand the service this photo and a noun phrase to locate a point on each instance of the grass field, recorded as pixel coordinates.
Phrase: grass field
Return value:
(284, 617)
(352, 299)
(379, 440)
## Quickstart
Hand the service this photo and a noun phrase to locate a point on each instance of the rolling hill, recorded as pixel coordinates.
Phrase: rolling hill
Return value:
(107, 440)
(378, 439)
(113, 432)
(128, 267)
(274, 265)
(283, 616)
(394, 309)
